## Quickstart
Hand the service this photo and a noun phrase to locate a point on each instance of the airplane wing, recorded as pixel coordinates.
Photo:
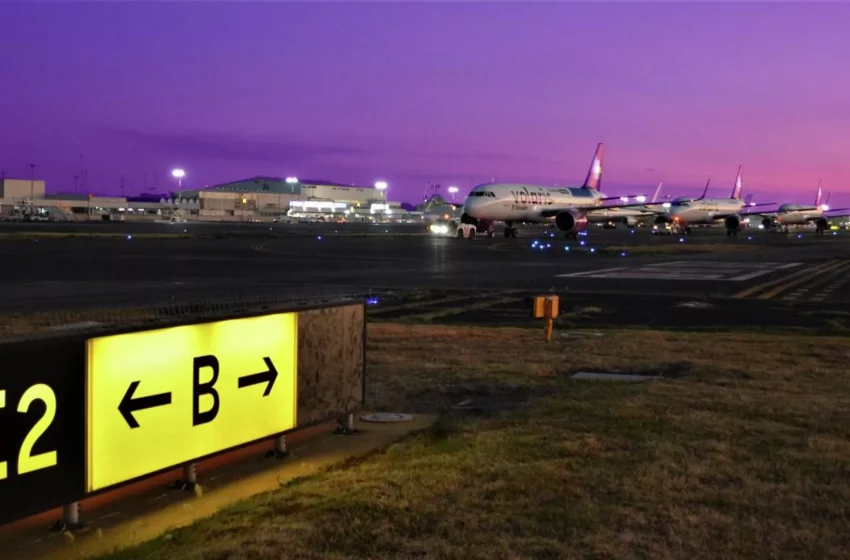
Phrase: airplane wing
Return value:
(739, 213)
(771, 214)
(589, 208)
(831, 215)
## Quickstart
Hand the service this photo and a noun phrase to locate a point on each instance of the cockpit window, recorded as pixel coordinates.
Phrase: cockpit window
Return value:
(681, 203)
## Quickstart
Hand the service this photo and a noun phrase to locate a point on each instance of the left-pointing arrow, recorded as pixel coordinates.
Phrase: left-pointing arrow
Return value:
(129, 405)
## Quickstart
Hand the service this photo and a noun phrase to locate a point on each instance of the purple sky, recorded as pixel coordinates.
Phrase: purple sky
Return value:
(457, 93)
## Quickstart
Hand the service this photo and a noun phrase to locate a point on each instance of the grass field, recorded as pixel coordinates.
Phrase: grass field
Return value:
(741, 450)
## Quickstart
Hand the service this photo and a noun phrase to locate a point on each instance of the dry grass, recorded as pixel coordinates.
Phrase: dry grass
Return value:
(14, 325)
(745, 454)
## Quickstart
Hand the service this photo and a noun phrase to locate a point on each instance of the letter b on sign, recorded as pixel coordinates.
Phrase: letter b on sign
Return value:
(199, 389)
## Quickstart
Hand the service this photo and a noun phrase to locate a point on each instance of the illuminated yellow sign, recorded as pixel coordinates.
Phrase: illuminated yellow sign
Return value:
(160, 398)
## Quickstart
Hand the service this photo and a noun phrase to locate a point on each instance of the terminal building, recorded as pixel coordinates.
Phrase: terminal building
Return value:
(263, 198)
(276, 196)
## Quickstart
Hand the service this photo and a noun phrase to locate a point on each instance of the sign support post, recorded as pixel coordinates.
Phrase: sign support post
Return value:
(278, 450)
(70, 519)
(346, 425)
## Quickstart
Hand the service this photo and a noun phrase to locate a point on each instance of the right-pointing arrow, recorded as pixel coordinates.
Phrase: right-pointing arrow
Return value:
(129, 405)
(266, 377)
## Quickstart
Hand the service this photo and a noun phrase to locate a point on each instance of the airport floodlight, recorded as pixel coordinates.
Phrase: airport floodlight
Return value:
(640, 198)
(824, 207)
(291, 180)
(624, 198)
(382, 186)
(452, 190)
(178, 174)
(666, 205)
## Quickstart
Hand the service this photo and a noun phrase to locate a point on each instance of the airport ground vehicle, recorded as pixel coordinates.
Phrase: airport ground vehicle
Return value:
(453, 228)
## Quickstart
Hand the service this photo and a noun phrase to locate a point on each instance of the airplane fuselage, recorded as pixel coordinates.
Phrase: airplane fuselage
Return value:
(516, 202)
(614, 214)
(706, 211)
(790, 214)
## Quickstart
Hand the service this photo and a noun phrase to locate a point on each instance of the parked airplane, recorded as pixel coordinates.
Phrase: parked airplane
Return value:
(625, 216)
(685, 212)
(796, 214)
(517, 202)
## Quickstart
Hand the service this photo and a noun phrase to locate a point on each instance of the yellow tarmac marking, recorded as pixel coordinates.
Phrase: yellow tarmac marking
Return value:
(786, 282)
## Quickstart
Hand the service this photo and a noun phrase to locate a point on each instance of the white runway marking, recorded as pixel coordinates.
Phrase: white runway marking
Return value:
(722, 271)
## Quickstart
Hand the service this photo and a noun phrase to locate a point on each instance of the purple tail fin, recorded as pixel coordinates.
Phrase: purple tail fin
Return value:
(594, 174)
(739, 183)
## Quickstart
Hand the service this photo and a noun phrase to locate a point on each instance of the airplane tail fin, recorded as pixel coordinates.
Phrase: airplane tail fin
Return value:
(827, 198)
(657, 193)
(594, 174)
(820, 193)
(748, 199)
(739, 183)
(705, 191)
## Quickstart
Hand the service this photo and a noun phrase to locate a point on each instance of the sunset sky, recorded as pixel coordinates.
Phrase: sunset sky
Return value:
(457, 93)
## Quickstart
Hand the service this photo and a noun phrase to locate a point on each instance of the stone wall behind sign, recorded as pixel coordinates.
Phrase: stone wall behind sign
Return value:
(330, 362)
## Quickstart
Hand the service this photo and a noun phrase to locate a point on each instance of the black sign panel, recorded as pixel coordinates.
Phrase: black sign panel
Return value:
(42, 426)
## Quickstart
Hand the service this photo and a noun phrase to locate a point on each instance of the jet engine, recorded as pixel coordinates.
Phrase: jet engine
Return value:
(821, 224)
(733, 223)
(571, 221)
(661, 220)
(767, 223)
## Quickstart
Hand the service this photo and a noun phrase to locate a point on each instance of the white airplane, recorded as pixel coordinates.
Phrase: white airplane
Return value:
(568, 207)
(625, 216)
(796, 214)
(684, 212)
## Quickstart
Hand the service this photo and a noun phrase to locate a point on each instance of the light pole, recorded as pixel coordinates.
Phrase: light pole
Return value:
(178, 174)
(453, 192)
(382, 186)
(32, 181)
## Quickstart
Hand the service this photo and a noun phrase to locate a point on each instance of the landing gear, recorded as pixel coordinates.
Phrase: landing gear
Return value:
(678, 229)
(510, 230)
(731, 233)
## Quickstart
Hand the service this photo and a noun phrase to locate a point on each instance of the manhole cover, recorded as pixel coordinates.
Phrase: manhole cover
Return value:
(387, 417)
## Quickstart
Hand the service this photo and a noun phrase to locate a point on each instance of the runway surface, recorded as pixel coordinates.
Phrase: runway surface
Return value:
(44, 272)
